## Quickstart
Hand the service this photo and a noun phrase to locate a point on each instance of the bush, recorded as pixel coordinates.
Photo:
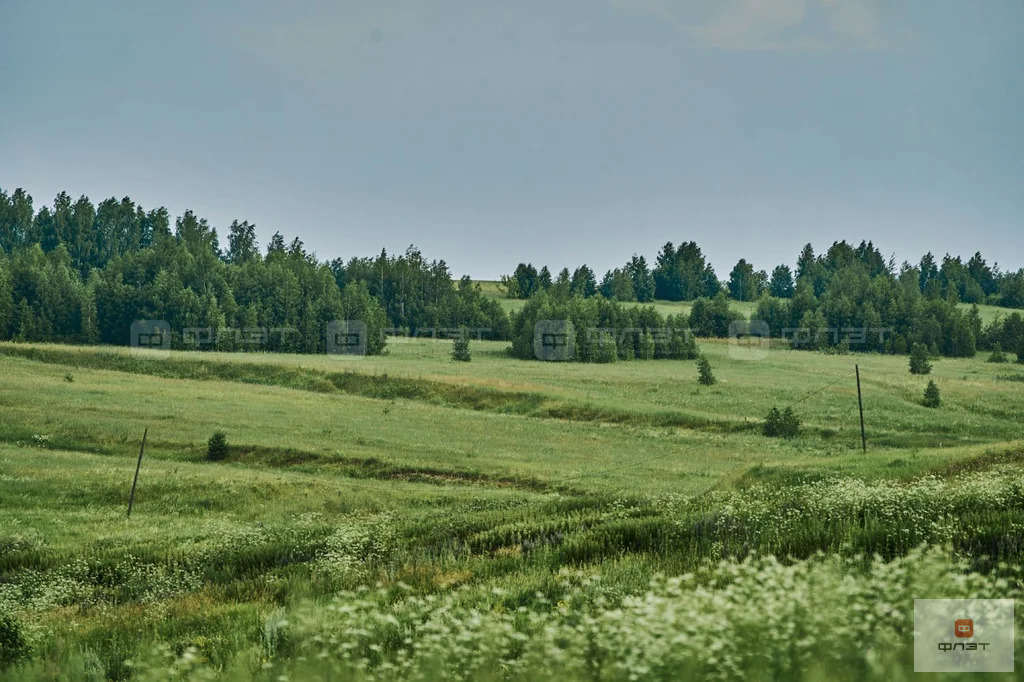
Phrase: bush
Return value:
(705, 376)
(781, 424)
(932, 396)
(13, 645)
(998, 355)
(217, 447)
(919, 360)
(841, 348)
(460, 347)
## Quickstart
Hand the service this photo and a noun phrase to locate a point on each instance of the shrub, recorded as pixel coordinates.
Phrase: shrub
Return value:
(781, 423)
(69, 377)
(998, 355)
(919, 360)
(841, 348)
(705, 376)
(13, 645)
(932, 396)
(217, 447)
(460, 347)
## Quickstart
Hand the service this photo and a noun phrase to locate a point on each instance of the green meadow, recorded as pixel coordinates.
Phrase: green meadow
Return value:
(405, 516)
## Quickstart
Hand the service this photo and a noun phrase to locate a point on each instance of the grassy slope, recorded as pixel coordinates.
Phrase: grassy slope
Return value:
(465, 491)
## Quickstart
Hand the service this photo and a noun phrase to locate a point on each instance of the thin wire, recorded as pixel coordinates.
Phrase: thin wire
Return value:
(823, 388)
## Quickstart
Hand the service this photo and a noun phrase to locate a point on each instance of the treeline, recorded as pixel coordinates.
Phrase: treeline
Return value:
(680, 274)
(420, 298)
(849, 298)
(683, 274)
(597, 329)
(854, 299)
(75, 272)
(79, 273)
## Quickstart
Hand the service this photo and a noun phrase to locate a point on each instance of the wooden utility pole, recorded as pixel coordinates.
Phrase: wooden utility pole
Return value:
(131, 498)
(860, 402)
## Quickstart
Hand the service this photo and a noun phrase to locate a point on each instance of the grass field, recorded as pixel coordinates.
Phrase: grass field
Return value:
(406, 516)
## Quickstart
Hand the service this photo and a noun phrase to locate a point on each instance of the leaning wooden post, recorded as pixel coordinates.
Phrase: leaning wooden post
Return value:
(131, 498)
(860, 402)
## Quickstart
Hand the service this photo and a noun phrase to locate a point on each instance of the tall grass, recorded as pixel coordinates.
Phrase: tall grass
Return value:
(367, 538)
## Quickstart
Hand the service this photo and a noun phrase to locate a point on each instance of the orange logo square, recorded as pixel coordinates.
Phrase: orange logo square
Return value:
(964, 627)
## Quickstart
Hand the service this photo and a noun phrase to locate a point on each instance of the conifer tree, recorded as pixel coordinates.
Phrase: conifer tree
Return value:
(705, 375)
(460, 346)
(919, 363)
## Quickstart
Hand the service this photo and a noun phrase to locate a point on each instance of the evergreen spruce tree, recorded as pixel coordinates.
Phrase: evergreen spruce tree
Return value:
(932, 396)
(790, 425)
(781, 423)
(919, 360)
(705, 376)
(544, 278)
(217, 447)
(460, 347)
(781, 284)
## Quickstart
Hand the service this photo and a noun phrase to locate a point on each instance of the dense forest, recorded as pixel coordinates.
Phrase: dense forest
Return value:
(849, 298)
(76, 272)
(683, 274)
(79, 273)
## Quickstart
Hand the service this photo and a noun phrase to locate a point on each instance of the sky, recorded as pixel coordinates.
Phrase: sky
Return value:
(489, 133)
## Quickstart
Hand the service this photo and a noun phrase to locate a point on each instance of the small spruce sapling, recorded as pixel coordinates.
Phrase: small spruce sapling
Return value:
(705, 376)
(217, 447)
(460, 347)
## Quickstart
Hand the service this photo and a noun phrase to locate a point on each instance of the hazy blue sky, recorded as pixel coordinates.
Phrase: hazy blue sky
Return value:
(558, 132)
